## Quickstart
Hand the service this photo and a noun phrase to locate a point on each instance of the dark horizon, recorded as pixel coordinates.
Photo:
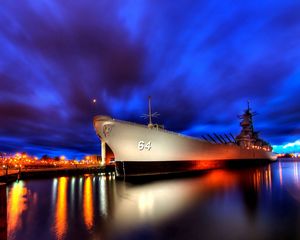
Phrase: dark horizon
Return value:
(199, 61)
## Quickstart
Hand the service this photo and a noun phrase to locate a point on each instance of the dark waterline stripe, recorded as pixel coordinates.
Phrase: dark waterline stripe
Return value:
(143, 168)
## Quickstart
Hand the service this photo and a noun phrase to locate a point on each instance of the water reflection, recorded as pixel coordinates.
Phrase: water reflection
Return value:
(16, 206)
(80, 190)
(60, 222)
(94, 207)
(157, 201)
(296, 176)
(54, 192)
(290, 178)
(103, 196)
(262, 177)
(280, 173)
(145, 204)
(88, 210)
(3, 212)
(289, 173)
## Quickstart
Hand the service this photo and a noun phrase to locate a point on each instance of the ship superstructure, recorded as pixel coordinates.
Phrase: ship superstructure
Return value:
(150, 149)
(248, 137)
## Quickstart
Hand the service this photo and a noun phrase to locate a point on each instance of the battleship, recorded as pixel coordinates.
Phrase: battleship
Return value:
(150, 149)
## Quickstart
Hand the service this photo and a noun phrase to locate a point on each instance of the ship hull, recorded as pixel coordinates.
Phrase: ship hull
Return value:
(143, 168)
(139, 150)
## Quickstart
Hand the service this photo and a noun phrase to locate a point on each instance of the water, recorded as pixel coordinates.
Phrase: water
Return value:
(257, 203)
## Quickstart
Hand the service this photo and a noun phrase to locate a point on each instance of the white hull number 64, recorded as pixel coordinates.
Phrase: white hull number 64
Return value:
(144, 146)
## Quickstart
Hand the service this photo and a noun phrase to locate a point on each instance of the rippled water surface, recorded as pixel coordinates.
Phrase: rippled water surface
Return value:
(256, 203)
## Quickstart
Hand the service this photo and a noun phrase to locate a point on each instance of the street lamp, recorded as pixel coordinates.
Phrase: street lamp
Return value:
(3, 162)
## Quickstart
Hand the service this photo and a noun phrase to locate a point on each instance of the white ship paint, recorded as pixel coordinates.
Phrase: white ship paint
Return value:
(143, 144)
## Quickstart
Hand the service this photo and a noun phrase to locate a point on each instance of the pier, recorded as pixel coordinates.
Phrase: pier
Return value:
(12, 175)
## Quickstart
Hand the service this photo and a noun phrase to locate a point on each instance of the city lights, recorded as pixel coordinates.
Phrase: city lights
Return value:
(25, 161)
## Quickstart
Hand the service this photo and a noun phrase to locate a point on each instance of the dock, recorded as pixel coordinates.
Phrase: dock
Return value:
(12, 175)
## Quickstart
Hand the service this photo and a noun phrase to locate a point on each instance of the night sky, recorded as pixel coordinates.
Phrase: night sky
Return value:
(199, 60)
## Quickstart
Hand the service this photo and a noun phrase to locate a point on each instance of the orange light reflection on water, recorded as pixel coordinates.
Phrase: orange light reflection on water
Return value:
(257, 180)
(16, 205)
(88, 203)
(263, 178)
(60, 224)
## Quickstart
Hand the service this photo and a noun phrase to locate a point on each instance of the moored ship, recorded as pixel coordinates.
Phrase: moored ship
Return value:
(139, 149)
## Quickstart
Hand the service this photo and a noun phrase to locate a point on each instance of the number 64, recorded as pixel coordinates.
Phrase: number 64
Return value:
(142, 145)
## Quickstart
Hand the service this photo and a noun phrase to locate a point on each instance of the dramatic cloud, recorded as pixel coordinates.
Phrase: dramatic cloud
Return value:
(200, 61)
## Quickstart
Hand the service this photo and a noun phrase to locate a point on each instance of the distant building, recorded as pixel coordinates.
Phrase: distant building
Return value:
(93, 158)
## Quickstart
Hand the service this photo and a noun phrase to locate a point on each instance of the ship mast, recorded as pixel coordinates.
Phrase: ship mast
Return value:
(150, 115)
(150, 112)
(248, 105)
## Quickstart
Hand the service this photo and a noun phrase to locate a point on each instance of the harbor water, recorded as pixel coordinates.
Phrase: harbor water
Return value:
(252, 203)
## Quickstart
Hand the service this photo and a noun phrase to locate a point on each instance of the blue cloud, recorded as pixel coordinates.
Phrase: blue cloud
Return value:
(200, 61)
(292, 147)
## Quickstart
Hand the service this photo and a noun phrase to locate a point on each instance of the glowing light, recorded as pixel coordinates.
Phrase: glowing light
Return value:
(256, 179)
(94, 100)
(54, 191)
(80, 190)
(88, 203)
(61, 208)
(103, 196)
(296, 175)
(16, 205)
(72, 190)
(280, 173)
(145, 203)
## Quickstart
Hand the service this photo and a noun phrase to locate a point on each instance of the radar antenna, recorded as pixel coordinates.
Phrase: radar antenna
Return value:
(150, 115)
